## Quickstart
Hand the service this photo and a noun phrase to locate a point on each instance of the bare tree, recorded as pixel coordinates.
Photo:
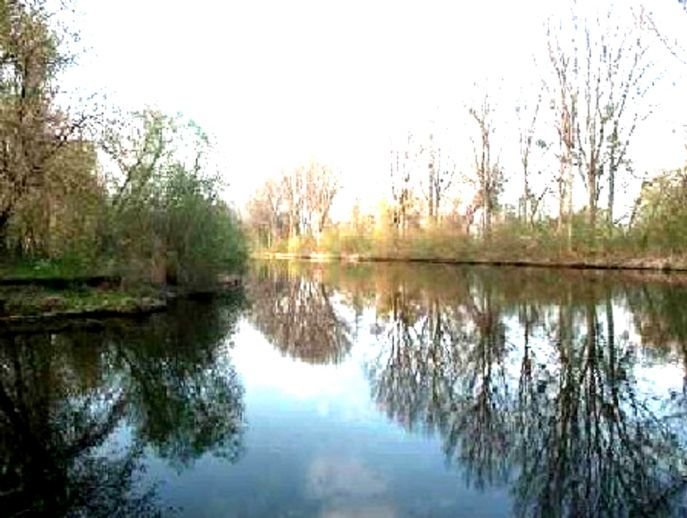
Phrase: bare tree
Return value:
(564, 103)
(303, 198)
(601, 78)
(441, 171)
(612, 84)
(292, 187)
(321, 186)
(487, 168)
(528, 117)
(265, 212)
(400, 173)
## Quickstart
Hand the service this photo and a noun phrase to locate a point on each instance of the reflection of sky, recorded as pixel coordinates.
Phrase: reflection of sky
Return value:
(315, 444)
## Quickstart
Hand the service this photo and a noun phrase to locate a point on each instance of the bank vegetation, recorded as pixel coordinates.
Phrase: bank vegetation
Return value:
(87, 189)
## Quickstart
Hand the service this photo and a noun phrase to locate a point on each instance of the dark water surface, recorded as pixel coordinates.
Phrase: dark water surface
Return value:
(370, 390)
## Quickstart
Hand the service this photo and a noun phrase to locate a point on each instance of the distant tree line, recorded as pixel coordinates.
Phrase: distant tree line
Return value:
(575, 130)
(295, 204)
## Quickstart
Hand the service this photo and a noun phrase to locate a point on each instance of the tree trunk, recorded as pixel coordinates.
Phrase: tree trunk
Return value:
(4, 224)
(591, 209)
(569, 206)
(611, 193)
(430, 197)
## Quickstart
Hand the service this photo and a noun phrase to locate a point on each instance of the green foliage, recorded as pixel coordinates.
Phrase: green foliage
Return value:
(166, 222)
(662, 218)
(67, 267)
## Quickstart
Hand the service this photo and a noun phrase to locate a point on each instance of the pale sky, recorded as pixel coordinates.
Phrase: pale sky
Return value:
(280, 83)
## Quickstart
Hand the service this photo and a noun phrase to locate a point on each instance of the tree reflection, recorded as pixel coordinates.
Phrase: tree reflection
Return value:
(541, 394)
(296, 313)
(69, 403)
(185, 397)
(53, 425)
(601, 447)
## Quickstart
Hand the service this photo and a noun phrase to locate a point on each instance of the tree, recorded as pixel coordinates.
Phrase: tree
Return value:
(441, 171)
(487, 169)
(61, 219)
(166, 221)
(564, 104)
(401, 167)
(601, 78)
(528, 117)
(265, 213)
(613, 84)
(32, 129)
(321, 186)
(309, 192)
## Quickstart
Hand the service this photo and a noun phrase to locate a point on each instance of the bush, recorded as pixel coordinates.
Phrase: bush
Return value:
(166, 223)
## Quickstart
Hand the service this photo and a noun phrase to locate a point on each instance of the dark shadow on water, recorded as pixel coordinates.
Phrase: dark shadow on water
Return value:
(78, 410)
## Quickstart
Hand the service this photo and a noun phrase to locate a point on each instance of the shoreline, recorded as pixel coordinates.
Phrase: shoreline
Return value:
(27, 302)
(648, 265)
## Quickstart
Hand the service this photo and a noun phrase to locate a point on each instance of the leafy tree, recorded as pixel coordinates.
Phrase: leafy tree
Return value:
(166, 221)
(34, 132)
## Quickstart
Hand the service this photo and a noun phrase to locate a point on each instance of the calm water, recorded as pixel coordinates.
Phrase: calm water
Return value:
(370, 390)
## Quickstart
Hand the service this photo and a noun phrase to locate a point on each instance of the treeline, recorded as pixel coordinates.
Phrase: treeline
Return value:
(135, 193)
(294, 205)
(568, 144)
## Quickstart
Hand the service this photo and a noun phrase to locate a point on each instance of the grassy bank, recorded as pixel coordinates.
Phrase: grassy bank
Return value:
(30, 301)
(40, 291)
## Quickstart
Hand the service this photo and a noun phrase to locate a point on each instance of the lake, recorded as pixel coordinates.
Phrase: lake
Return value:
(360, 390)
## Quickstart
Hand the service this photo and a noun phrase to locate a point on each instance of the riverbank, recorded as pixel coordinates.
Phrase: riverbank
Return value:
(26, 301)
(656, 264)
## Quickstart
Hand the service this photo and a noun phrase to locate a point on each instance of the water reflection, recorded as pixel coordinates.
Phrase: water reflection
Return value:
(547, 394)
(297, 314)
(78, 410)
(530, 378)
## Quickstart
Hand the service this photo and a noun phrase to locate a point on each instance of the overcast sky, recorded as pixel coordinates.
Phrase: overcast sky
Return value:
(280, 83)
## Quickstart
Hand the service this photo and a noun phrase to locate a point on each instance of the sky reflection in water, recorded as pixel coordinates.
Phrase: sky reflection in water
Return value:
(368, 390)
